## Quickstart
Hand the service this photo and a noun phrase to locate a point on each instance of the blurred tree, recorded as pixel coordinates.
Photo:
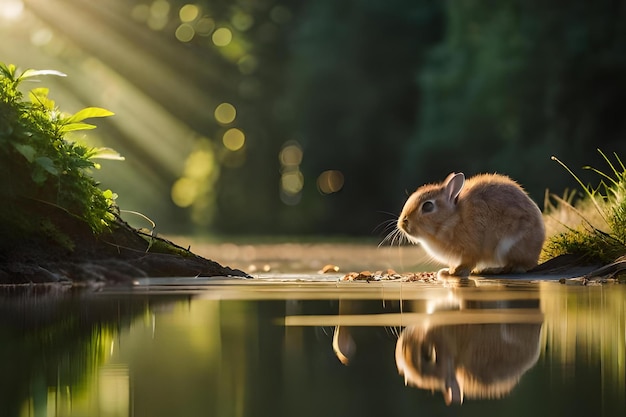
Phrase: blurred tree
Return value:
(380, 97)
(515, 82)
(353, 85)
(247, 194)
(330, 110)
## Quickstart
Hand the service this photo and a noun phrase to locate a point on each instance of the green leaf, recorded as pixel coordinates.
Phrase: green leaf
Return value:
(82, 164)
(106, 153)
(8, 71)
(37, 93)
(47, 164)
(40, 95)
(34, 73)
(76, 126)
(109, 195)
(26, 150)
(88, 113)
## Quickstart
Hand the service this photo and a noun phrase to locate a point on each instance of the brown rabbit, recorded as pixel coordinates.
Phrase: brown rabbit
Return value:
(486, 224)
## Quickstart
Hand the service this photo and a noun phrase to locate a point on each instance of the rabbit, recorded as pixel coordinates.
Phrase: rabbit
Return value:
(486, 224)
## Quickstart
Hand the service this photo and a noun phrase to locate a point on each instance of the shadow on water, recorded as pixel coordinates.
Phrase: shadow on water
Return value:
(288, 346)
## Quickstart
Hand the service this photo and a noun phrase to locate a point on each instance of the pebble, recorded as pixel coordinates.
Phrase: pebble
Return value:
(389, 275)
(329, 269)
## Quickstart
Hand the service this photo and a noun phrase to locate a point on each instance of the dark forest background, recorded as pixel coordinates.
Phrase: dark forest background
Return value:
(346, 106)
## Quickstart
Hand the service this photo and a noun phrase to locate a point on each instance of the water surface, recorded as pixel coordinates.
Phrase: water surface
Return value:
(285, 345)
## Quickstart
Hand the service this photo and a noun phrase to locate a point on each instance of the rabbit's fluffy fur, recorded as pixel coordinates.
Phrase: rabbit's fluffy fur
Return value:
(486, 224)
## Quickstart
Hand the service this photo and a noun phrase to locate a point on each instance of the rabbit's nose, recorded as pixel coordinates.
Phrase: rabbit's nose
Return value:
(403, 222)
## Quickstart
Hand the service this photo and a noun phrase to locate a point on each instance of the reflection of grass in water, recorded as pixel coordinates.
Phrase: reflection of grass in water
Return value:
(53, 345)
(600, 235)
(68, 386)
(585, 325)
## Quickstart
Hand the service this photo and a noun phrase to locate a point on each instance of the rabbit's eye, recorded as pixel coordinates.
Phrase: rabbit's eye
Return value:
(429, 354)
(428, 207)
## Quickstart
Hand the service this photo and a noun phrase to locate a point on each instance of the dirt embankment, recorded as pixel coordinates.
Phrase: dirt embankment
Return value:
(73, 253)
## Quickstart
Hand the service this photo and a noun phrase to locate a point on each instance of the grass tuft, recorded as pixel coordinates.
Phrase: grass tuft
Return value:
(599, 235)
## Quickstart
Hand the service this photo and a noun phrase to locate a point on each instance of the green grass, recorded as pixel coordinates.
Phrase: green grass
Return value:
(600, 232)
(39, 161)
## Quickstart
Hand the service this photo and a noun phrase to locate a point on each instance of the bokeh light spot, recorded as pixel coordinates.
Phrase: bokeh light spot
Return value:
(225, 113)
(330, 181)
(185, 32)
(160, 8)
(188, 13)
(292, 182)
(205, 26)
(41, 37)
(222, 37)
(184, 192)
(156, 23)
(200, 164)
(11, 9)
(291, 154)
(290, 199)
(158, 17)
(233, 139)
(242, 21)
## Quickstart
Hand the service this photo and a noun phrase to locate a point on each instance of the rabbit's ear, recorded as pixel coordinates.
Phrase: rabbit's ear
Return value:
(454, 184)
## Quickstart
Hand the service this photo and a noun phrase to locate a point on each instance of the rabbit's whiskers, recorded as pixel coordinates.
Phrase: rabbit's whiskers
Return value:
(393, 237)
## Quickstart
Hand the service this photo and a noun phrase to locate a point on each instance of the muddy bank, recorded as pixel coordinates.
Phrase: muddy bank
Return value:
(73, 253)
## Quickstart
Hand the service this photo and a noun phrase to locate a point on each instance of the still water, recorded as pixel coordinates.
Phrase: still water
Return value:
(291, 347)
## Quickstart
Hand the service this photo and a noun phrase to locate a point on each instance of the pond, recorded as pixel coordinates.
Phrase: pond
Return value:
(298, 345)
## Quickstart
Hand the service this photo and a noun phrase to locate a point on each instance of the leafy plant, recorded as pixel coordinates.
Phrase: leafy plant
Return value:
(604, 243)
(38, 161)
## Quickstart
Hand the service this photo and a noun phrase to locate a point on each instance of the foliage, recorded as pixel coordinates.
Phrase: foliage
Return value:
(603, 243)
(39, 163)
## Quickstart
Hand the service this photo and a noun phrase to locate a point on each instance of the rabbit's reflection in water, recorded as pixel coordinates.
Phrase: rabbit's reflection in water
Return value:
(472, 360)
(481, 350)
